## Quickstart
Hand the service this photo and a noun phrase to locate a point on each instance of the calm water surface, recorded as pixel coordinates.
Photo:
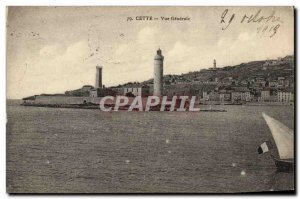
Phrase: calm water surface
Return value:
(76, 150)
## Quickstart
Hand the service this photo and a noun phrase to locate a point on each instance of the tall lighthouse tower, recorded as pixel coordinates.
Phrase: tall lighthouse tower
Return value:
(215, 64)
(98, 77)
(158, 73)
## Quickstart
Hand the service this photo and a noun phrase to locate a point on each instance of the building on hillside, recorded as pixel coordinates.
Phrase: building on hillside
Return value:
(273, 84)
(269, 63)
(280, 82)
(260, 82)
(289, 81)
(137, 90)
(119, 90)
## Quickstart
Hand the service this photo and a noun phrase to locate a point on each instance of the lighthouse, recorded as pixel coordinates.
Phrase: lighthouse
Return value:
(158, 73)
(98, 77)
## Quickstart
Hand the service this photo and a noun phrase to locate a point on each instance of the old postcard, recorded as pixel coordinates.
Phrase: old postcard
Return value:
(150, 99)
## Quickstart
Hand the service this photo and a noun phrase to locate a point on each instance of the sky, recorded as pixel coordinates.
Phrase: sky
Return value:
(54, 49)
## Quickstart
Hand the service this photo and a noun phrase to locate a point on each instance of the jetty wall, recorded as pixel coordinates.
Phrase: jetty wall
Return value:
(65, 100)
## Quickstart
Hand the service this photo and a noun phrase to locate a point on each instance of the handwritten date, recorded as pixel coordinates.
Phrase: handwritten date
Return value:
(266, 24)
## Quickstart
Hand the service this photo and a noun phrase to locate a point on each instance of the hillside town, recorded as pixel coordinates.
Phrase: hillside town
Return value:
(258, 82)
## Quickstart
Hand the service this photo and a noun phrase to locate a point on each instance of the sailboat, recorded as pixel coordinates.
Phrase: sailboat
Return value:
(284, 140)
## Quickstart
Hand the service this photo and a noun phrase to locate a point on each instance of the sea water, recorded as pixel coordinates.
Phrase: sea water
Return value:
(55, 150)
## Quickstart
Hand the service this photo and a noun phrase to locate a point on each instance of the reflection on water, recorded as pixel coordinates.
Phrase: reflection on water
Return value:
(72, 150)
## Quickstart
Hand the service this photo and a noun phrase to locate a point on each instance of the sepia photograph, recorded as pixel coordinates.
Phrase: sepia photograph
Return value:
(150, 99)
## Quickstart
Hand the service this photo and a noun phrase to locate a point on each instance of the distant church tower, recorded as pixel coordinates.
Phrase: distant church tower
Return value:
(98, 77)
(215, 64)
(158, 73)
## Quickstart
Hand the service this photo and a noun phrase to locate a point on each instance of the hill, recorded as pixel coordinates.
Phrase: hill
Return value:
(241, 72)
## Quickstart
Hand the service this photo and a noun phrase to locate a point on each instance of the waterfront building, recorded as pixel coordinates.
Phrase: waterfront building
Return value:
(29, 100)
(285, 95)
(240, 94)
(265, 95)
(101, 92)
(205, 96)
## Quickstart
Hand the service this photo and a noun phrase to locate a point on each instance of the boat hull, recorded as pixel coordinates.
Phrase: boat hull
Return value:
(284, 165)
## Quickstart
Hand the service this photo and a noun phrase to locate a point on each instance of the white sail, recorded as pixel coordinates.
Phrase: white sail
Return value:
(283, 136)
(263, 148)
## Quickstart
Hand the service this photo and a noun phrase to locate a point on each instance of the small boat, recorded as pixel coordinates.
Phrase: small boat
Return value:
(284, 140)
